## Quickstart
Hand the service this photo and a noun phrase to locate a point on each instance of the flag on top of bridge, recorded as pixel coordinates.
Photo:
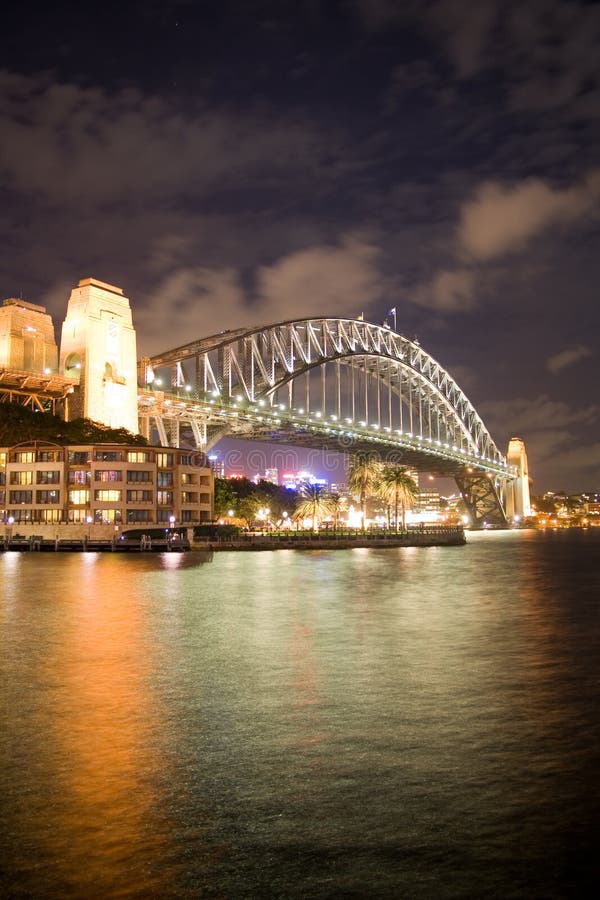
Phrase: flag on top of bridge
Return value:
(361, 317)
(392, 315)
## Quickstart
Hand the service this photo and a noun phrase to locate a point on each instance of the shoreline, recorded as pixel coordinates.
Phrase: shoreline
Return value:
(439, 537)
(64, 540)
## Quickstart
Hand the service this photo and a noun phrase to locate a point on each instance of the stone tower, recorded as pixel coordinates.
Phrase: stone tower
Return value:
(27, 341)
(98, 349)
(518, 502)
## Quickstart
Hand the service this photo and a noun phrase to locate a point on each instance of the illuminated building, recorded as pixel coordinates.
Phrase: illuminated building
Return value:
(98, 351)
(27, 340)
(217, 465)
(295, 480)
(103, 484)
(427, 508)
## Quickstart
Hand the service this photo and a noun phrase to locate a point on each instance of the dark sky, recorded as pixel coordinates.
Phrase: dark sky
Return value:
(233, 163)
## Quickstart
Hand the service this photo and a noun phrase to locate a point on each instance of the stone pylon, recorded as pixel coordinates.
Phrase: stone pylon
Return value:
(27, 337)
(98, 349)
(518, 501)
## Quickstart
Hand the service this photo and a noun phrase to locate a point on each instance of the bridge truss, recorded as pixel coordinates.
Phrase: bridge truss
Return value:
(43, 392)
(332, 383)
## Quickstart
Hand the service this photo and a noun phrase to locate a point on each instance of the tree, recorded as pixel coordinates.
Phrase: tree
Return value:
(313, 504)
(248, 509)
(225, 498)
(338, 505)
(19, 424)
(363, 476)
(398, 487)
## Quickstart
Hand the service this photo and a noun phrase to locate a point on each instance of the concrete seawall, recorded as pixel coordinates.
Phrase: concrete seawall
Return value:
(442, 537)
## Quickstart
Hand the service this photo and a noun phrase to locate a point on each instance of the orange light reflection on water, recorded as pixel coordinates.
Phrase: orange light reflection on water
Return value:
(108, 715)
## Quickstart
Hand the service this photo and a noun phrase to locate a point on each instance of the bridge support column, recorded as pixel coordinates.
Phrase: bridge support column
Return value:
(482, 500)
(518, 501)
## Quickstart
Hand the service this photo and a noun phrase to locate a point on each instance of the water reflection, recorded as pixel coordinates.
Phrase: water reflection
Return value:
(387, 723)
(90, 746)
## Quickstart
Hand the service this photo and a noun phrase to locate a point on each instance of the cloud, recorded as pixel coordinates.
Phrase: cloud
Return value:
(448, 291)
(69, 144)
(551, 53)
(585, 456)
(323, 280)
(501, 219)
(186, 304)
(522, 415)
(466, 29)
(554, 435)
(566, 358)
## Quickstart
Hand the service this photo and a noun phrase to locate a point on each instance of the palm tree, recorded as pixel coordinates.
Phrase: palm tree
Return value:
(398, 486)
(363, 476)
(338, 505)
(313, 504)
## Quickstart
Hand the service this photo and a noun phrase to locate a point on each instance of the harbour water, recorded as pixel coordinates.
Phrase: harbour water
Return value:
(394, 723)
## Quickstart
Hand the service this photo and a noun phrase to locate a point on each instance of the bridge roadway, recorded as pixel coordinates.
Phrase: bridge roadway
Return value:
(175, 414)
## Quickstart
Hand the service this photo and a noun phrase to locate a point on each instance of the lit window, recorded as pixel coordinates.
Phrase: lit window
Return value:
(21, 477)
(78, 498)
(108, 496)
(137, 456)
(107, 516)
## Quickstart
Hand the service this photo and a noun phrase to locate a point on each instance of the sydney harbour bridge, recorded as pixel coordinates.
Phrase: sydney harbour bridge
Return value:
(328, 383)
(340, 384)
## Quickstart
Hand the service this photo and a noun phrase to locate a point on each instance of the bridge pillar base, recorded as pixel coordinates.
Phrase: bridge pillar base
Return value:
(482, 501)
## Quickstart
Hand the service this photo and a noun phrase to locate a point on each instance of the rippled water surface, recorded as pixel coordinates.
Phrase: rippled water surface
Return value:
(411, 723)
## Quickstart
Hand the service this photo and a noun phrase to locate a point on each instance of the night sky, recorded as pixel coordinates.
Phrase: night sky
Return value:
(232, 163)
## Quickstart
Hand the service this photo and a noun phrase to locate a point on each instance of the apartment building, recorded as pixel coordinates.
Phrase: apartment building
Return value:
(104, 484)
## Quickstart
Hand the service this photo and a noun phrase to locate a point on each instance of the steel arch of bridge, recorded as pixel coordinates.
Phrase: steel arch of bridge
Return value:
(335, 380)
